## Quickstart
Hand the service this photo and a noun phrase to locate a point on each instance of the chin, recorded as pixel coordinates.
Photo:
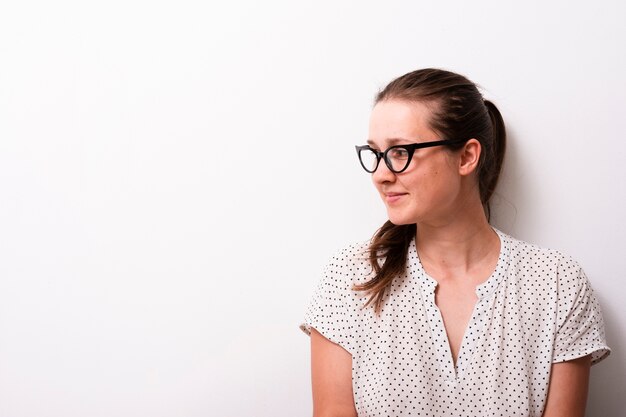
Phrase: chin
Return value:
(400, 220)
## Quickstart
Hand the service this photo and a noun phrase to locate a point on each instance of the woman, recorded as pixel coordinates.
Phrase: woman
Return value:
(440, 314)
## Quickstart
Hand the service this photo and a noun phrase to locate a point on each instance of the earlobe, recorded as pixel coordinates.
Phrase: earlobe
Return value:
(470, 155)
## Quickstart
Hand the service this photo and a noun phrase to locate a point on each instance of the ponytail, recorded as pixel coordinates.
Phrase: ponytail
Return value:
(491, 166)
(391, 245)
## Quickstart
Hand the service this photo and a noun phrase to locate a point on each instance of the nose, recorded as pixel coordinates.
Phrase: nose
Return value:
(383, 174)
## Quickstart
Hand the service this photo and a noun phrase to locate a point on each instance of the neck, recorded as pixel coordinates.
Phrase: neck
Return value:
(463, 243)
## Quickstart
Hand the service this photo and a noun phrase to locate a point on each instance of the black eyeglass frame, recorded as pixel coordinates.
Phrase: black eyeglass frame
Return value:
(410, 148)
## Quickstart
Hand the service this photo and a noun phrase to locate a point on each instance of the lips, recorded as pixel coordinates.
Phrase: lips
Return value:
(393, 197)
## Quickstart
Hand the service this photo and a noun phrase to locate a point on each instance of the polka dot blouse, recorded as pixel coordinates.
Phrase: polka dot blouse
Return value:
(536, 309)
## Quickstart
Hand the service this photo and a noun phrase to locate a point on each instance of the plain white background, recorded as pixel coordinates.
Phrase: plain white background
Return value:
(174, 175)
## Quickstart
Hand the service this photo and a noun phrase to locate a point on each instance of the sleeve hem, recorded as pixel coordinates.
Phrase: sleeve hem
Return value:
(306, 328)
(598, 353)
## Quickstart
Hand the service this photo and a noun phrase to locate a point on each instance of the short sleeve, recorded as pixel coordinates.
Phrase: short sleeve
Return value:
(328, 311)
(580, 327)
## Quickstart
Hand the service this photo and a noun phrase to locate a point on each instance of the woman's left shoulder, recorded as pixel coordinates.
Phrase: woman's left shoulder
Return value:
(558, 287)
(533, 254)
(532, 260)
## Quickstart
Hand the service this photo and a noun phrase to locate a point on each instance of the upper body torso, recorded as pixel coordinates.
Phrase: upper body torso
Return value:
(536, 309)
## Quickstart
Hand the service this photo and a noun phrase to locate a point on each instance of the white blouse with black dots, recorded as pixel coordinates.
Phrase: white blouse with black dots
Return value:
(536, 309)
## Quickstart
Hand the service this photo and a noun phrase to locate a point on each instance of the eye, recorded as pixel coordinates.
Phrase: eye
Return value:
(398, 153)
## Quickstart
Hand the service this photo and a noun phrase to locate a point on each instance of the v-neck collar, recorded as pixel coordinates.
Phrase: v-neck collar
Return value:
(484, 292)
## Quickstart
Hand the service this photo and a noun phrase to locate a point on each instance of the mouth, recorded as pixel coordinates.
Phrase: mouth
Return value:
(391, 198)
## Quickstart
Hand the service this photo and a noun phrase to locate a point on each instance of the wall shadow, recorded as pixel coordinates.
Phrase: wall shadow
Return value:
(607, 385)
(513, 196)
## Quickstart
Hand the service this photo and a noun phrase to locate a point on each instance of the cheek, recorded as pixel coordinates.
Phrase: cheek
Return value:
(429, 187)
(421, 182)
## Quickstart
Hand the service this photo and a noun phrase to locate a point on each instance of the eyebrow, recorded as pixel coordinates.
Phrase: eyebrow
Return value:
(390, 141)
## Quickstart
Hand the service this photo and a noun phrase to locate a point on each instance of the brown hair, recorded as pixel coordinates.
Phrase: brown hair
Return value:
(459, 112)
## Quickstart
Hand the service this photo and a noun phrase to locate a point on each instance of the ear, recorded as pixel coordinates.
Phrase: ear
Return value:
(469, 157)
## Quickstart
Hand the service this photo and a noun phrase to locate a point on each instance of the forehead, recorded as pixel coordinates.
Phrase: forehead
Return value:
(400, 121)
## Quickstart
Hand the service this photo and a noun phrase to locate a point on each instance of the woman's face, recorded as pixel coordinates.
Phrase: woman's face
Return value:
(429, 190)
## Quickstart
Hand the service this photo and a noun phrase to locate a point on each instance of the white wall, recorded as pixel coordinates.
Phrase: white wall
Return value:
(174, 175)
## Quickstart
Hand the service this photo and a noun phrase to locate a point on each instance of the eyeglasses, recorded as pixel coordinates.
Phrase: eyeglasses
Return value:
(397, 158)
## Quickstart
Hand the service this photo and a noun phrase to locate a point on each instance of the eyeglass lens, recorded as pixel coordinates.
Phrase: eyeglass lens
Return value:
(369, 159)
(396, 158)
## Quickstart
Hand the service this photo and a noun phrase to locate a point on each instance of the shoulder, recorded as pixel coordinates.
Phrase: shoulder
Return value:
(561, 297)
(349, 264)
(350, 254)
(525, 252)
(529, 256)
(334, 303)
(542, 271)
